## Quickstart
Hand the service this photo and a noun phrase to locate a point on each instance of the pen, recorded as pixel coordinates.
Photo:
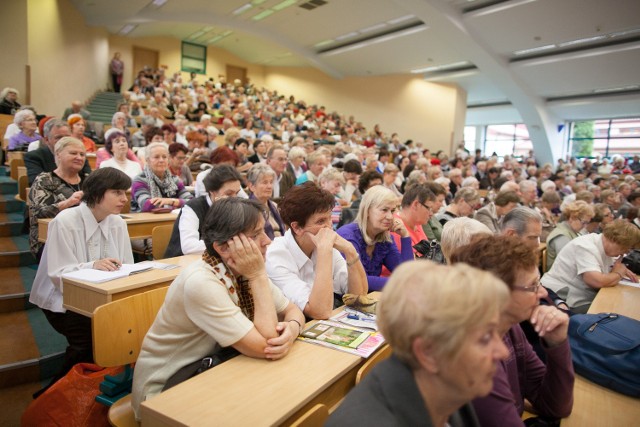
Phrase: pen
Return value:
(116, 265)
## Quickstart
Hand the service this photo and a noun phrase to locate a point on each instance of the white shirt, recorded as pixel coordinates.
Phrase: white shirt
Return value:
(276, 186)
(74, 241)
(583, 254)
(189, 227)
(131, 168)
(201, 191)
(293, 272)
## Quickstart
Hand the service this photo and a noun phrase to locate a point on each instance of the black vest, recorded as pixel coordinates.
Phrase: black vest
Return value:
(200, 207)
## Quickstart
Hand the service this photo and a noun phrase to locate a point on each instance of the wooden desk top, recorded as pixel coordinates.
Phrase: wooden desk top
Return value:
(256, 392)
(138, 224)
(594, 405)
(84, 297)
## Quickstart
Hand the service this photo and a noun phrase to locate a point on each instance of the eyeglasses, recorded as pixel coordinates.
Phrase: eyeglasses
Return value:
(426, 207)
(531, 288)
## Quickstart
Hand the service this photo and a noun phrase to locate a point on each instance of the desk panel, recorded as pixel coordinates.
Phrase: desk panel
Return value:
(139, 225)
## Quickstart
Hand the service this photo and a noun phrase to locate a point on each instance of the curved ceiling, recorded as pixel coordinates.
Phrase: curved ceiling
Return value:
(560, 55)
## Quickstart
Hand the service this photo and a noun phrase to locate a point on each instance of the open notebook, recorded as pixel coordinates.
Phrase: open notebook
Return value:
(99, 276)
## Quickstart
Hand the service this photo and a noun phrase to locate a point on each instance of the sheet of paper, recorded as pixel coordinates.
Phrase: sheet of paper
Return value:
(626, 282)
(99, 276)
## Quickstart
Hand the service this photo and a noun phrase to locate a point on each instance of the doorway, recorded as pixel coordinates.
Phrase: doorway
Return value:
(234, 72)
(143, 57)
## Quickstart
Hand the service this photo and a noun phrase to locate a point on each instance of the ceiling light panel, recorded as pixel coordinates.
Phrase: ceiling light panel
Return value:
(283, 5)
(260, 16)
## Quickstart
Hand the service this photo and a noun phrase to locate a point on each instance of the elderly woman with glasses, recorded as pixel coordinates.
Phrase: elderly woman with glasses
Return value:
(26, 122)
(371, 232)
(588, 263)
(577, 216)
(260, 182)
(549, 388)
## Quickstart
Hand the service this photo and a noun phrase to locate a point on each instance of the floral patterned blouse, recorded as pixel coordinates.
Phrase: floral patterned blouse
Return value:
(47, 190)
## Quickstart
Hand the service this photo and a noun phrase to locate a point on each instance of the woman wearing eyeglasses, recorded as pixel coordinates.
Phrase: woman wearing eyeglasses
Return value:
(588, 263)
(522, 375)
(577, 216)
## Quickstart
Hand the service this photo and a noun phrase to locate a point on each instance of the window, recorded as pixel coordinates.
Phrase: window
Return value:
(605, 137)
(470, 138)
(512, 139)
(194, 58)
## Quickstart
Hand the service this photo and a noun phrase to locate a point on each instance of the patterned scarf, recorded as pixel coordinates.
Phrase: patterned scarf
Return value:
(165, 187)
(238, 287)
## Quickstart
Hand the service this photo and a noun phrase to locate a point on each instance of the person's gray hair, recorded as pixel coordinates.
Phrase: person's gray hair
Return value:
(65, 142)
(53, 124)
(467, 194)
(148, 121)
(526, 184)
(297, 152)
(6, 91)
(470, 181)
(257, 171)
(458, 232)
(229, 217)
(116, 115)
(518, 219)
(22, 115)
(150, 147)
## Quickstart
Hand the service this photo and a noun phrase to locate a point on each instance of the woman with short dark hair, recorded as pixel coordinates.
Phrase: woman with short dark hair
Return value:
(177, 158)
(91, 235)
(118, 147)
(307, 263)
(225, 299)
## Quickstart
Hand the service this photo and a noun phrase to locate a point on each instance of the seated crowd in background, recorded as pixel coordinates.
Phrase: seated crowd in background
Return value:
(334, 208)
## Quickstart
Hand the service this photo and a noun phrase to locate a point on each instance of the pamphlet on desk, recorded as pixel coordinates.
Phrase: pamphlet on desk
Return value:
(99, 276)
(338, 336)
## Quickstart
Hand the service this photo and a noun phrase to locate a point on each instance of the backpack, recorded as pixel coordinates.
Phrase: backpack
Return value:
(606, 350)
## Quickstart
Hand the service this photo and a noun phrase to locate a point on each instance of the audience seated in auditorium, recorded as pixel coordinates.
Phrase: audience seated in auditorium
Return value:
(522, 375)
(155, 187)
(284, 180)
(316, 162)
(442, 323)
(9, 101)
(370, 234)
(588, 263)
(225, 299)
(311, 263)
(90, 236)
(416, 209)
(77, 107)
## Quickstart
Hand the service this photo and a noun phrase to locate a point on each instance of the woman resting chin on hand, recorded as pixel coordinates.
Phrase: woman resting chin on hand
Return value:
(223, 300)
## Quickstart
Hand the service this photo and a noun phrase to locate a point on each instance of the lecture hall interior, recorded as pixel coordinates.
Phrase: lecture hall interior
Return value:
(502, 76)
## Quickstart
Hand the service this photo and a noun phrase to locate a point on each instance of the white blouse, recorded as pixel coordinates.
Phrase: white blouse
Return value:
(131, 168)
(74, 241)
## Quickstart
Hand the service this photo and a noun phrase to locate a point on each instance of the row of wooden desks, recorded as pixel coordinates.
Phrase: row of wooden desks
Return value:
(139, 225)
(257, 392)
(594, 405)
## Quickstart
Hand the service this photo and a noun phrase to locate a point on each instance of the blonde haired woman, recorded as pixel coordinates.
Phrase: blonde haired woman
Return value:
(370, 234)
(577, 216)
(446, 345)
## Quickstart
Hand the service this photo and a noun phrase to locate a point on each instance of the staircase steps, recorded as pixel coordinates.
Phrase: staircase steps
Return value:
(30, 349)
(103, 105)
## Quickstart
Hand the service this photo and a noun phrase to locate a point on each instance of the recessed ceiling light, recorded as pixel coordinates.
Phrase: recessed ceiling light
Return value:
(346, 36)
(127, 29)
(323, 43)
(400, 19)
(373, 28)
(159, 3)
(441, 67)
(283, 4)
(616, 89)
(263, 14)
(534, 49)
(580, 41)
(242, 9)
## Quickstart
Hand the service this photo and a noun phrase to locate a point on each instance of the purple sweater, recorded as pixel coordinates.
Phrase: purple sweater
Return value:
(384, 253)
(523, 376)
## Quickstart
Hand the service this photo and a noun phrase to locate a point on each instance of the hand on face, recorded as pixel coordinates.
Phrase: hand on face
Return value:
(324, 239)
(245, 257)
(550, 324)
(398, 227)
